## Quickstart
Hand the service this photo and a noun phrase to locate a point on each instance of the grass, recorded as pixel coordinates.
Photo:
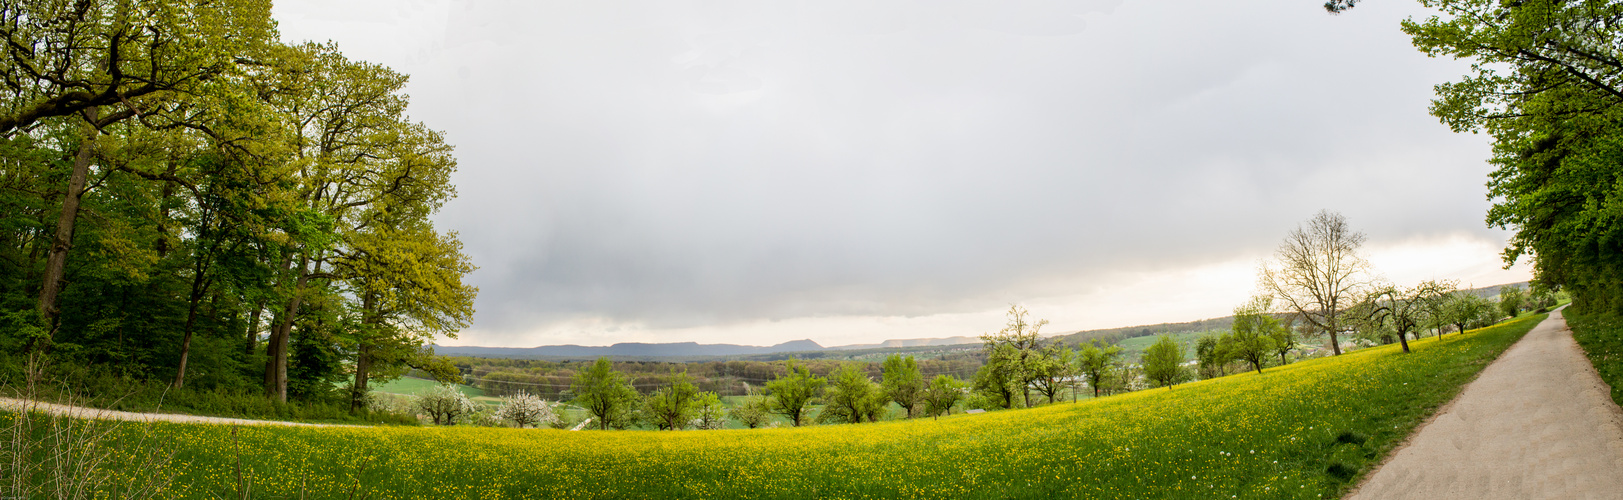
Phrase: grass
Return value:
(1306, 430)
(1601, 336)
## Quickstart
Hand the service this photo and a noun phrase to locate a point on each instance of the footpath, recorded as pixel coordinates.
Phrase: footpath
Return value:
(1537, 423)
(12, 405)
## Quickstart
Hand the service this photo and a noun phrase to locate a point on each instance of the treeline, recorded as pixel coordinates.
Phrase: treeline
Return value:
(186, 201)
(552, 379)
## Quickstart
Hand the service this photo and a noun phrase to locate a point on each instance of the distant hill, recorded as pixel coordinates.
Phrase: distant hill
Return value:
(638, 350)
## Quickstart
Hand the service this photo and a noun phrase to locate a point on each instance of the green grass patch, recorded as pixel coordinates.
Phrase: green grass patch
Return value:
(1601, 336)
(1306, 430)
(414, 386)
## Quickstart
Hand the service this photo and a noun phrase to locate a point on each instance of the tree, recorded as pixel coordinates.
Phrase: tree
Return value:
(1511, 300)
(792, 391)
(1163, 362)
(1285, 339)
(1463, 309)
(1050, 370)
(672, 406)
(1405, 310)
(1211, 359)
(942, 393)
(1013, 352)
(526, 409)
(445, 404)
(903, 383)
(1319, 273)
(752, 411)
(708, 412)
(1546, 84)
(97, 64)
(1098, 363)
(1254, 330)
(605, 393)
(1001, 377)
(851, 397)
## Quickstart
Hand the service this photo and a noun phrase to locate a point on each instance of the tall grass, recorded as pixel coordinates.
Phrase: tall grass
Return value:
(53, 456)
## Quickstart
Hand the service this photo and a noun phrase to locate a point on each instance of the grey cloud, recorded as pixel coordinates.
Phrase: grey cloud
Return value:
(681, 164)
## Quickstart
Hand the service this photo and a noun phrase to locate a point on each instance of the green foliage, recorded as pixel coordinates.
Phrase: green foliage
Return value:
(1544, 84)
(851, 397)
(1013, 356)
(1163, 362)
(606, 394)
(708, 412)
(753, 411)
(942, 393)
(672, 406)
(793, 391)
(903, 383)
(1511, 301)
(1255, 329)
(1098, 364)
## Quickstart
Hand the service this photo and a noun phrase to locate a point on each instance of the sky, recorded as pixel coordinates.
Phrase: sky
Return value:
(854, 171)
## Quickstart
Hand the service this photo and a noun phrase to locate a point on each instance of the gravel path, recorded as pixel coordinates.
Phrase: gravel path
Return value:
(10, 404)
(1537, 423)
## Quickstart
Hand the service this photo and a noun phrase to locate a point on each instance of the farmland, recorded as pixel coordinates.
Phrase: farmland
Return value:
(1306, 430)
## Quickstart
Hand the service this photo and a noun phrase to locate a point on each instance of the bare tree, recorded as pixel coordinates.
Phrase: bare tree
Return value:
(1319, 273)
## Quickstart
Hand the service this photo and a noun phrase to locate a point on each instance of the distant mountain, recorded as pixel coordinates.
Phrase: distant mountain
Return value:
(627, 349)
(680, 349)
(911, 343)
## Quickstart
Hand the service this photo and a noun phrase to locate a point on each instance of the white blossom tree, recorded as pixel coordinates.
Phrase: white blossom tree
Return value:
(445, 405)
(526, 409)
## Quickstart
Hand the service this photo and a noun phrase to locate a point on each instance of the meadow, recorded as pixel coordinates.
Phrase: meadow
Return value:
(1305, 430)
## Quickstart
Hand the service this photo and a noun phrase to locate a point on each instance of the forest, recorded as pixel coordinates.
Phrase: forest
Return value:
(190, 207)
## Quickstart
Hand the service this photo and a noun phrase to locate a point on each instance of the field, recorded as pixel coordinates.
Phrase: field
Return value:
(1306, 430)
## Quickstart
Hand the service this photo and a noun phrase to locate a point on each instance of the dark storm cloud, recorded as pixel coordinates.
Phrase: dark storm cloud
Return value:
(676, 164)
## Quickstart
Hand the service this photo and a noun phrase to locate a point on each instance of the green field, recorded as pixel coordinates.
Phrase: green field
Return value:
(1306, 430)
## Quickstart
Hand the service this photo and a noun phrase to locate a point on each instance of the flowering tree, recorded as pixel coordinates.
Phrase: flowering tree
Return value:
(526, 409)
(444, 404)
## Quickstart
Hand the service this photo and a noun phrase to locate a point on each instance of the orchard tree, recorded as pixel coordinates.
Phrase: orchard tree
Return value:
(1210, 357)
(445, 404)
(526, 409)
(1406, 310)
(1511, 300)
(792, 391)
(1285, 339)
(1013, 353)
(1050, 370)
(606, 394)
(1098, 363)
(708, 412)
(1318, 273)
(1253, 333)
(942, 393)
(752, 411)
(1163, 362)
(672, 406)
(851, 397)
(903, 383)
(1463, 310)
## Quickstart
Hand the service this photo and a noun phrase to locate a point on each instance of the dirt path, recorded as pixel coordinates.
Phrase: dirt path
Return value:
(10, 404)
(1537, 423)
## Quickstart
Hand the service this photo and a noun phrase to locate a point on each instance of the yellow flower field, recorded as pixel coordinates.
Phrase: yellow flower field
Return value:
(1305, 430)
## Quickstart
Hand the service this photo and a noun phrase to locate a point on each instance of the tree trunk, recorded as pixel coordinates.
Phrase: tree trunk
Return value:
(363, 352)
(198, 287)
(253, 329)
(1335, 345)
(1402, 338)
(276, 352)
(56, 262)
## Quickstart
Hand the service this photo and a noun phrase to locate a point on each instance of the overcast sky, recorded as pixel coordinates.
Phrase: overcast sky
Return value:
(854, 171)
